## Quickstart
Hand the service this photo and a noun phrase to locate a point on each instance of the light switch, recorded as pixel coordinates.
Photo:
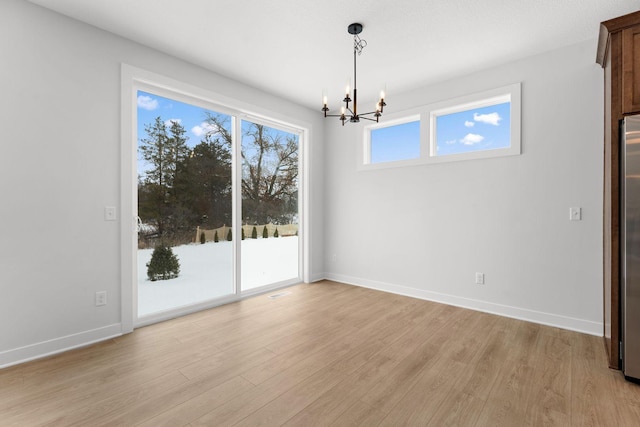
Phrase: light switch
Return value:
(110, 213)
(575, 214)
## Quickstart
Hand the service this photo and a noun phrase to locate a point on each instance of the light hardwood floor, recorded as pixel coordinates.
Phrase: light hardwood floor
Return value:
(327, 354)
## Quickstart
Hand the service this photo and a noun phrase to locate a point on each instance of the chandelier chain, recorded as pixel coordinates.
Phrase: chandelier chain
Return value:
(358, 44)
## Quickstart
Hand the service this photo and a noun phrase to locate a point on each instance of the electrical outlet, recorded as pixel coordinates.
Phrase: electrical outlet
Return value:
(101, 298)
(479, 278)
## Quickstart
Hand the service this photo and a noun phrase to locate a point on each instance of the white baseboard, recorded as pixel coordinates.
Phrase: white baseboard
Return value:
(317, 277)
(549, 319)
(58, 345)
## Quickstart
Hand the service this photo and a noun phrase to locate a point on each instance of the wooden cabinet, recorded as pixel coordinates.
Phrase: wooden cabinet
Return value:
(619, 55)
(631, 70)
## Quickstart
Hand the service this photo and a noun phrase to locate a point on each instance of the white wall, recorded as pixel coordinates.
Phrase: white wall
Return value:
(506, 217)
(425, 230)
(60, 166)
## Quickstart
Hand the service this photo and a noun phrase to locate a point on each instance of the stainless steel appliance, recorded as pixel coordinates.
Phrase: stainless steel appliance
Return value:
(630, 246)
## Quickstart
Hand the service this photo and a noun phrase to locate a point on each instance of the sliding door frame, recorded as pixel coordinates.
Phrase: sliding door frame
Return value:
(134, 79)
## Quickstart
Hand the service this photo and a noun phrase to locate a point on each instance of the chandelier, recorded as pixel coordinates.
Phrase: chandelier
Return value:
(358, 45)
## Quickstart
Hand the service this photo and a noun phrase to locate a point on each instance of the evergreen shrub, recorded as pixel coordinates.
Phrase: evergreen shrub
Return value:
(202, 238)
(229, 236)
(265, 233)
(163, 265)
(215, 237)
(275, 233)
(254, 233)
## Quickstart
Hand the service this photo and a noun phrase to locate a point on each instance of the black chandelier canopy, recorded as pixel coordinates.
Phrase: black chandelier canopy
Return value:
(353, 115)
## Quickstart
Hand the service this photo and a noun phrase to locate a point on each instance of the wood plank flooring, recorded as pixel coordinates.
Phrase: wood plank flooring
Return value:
(328, 354)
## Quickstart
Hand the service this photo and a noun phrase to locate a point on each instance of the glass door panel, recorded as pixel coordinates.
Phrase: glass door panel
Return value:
(185, 252)
(270, 187)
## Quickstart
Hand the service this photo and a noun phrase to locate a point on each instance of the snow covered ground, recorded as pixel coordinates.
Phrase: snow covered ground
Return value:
(206, 271)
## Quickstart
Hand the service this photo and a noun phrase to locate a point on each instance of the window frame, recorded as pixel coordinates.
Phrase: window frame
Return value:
(428, 114)
(387, 124)
(134, 79)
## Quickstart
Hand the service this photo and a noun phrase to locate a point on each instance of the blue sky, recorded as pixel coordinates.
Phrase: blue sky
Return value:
(191, 117)
(477, 129)
(399, 142)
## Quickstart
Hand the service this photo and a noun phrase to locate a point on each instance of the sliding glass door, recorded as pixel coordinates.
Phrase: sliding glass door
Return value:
(218, 202)
(185, 251)
(270, 213)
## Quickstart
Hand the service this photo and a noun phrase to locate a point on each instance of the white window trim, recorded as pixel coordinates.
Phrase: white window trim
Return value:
(364, 149)
(134, 79)
(428, 114)
(509, 93)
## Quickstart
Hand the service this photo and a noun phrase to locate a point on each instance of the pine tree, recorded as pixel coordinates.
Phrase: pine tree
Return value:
(164, 264)
(164, 149)
(254, 233)
(265, 233)
(154, 150)
(275, 233)
(203, 184)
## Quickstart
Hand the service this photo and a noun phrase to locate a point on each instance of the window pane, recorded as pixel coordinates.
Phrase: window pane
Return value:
(269, 247)
(184, 204)
(472, 130)
(393, 143)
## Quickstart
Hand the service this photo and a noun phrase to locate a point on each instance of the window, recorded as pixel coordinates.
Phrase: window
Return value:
(184, 185)
(473, 129)
(269, 155)
(395, 142)
(476, 126)
(481, 125)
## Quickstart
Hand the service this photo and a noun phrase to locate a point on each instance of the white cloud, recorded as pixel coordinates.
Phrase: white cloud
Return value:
(169, 123)
(490, 119)
(451, 141)
(147, 102)
(203, 128)
(471, 138)
(469, 124)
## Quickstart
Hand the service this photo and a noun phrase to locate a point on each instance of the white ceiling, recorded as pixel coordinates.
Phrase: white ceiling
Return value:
(298, 48)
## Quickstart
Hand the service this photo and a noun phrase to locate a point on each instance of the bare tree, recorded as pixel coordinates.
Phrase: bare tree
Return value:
(269, 171)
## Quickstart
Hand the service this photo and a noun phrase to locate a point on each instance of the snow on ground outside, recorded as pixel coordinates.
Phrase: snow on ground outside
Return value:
(206, 271)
